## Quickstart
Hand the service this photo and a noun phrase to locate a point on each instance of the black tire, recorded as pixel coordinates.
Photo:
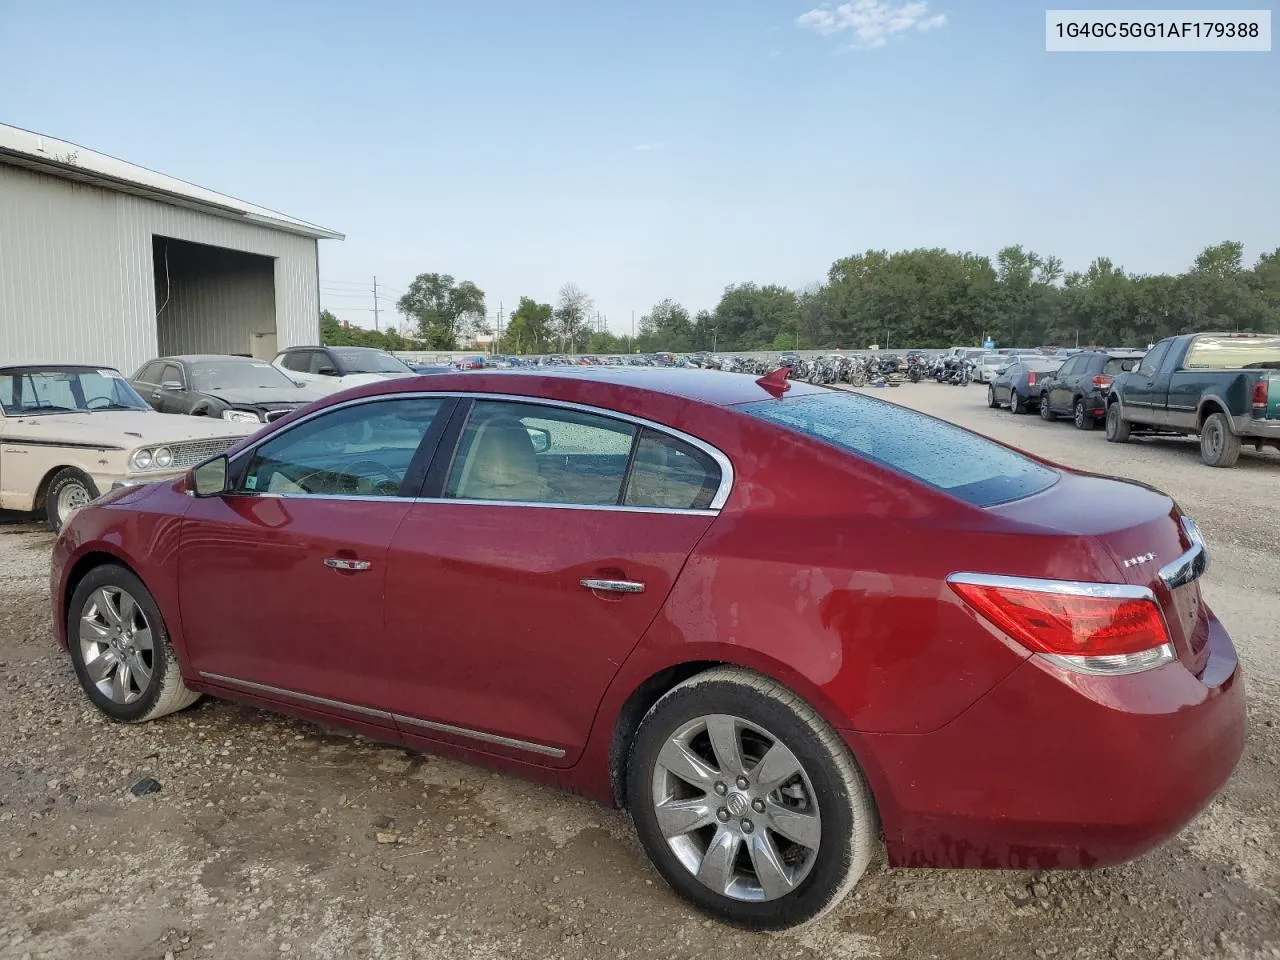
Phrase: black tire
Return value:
(1219, 446)
(991, 398)
(66, 490)
(849, 827)
(1117, 426)
(1082, 418)
(1046, 414)
(1016, 403)
(164, 691)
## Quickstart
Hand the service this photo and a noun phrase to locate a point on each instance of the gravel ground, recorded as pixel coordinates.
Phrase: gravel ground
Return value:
(274, 838)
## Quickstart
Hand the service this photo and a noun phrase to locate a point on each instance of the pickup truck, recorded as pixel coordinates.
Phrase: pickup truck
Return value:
(1223, 387)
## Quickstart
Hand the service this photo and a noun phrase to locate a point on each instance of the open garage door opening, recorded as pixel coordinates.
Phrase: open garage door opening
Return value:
(213, 300)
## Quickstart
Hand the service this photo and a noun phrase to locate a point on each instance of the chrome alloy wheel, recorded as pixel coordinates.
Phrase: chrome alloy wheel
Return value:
(116, 644)
(736, 808)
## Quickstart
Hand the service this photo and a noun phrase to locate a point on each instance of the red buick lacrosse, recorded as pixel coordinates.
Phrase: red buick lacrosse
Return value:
(781, 624)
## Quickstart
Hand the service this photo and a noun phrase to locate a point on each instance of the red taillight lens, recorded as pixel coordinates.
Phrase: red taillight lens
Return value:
(1260, 390)
(1068, 624)
(1031, 379)
(1102, 381)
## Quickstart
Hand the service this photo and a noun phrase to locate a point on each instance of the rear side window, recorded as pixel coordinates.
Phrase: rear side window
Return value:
(955, 461)
(1233, 353)
(670, 474)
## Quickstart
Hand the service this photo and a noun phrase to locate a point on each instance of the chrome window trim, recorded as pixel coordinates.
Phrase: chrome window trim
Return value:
(384, 715)
(722, 461)
(608, 507)
(1071, 588)
(1191, 565)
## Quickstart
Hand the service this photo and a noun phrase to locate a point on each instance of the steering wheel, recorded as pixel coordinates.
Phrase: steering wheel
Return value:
(104, 401)
(372, 479)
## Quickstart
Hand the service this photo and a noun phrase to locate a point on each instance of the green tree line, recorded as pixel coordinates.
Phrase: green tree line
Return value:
(911, 298)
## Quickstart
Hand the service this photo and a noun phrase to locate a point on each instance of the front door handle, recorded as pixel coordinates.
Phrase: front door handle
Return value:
(613, 586)
(339, 563)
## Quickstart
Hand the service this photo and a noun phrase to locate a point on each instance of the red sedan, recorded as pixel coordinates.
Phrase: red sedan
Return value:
(779, 623)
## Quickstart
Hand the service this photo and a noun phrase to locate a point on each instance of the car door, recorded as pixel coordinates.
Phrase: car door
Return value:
(147, 382)
(168, 398)
(281, 582)
(1139, 392)
(1052, 384)
(540, 553)
(1003, 384)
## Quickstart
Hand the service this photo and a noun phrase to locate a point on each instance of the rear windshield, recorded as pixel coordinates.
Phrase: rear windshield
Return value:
(1115, 365)
(366, 360)
(1233, 353)
(932, 451)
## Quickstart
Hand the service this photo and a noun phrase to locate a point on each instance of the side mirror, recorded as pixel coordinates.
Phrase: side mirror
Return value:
(541, 439)
(174, 385)
(210, 479)
(328, 371)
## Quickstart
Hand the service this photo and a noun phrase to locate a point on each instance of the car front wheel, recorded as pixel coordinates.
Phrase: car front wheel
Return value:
(69, 490)
(991, 398)
(120, 648)
(1016, 403)
(748, 803)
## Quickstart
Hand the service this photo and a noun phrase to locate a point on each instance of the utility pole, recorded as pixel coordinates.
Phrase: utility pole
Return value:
(375, 304)
(497, 348)
(633, 329)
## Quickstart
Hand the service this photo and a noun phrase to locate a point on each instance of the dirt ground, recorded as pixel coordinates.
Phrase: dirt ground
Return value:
(272, 838)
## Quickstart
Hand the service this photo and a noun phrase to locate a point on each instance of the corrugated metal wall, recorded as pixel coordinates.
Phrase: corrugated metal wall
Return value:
(77, 279)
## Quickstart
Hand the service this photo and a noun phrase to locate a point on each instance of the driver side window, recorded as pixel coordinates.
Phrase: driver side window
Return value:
(1151, 362)
(358, 451)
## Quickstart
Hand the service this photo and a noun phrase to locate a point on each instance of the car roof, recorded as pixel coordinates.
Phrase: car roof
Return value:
(55, 365)
(694, 384)
(199, 357)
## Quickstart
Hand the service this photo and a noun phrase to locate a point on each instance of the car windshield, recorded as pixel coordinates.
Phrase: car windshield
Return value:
(1233, 353)
(366, 360)
(945, 457)
(1116, 365)
(230, 374)
(44, 390)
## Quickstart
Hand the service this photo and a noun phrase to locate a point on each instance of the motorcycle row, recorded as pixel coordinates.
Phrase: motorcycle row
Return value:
(854, 369)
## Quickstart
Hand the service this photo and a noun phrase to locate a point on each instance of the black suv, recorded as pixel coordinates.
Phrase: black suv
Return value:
(1079, 388)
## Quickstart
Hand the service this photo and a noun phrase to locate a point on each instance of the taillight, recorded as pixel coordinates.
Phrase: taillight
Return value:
(1086, 627)
(1102, 381)
(1260, 390)
(1031, 379)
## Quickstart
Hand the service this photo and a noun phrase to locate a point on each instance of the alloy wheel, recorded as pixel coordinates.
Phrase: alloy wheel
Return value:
(116, 644)
(737, 808)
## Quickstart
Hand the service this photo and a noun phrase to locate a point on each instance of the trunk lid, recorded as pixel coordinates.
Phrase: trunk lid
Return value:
(1137, 532)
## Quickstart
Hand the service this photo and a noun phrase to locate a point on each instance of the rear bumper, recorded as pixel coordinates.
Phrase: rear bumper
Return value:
(1248, 426)
(1058, 770)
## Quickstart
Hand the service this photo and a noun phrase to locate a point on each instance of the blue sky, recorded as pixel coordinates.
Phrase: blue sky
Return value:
(660, 148)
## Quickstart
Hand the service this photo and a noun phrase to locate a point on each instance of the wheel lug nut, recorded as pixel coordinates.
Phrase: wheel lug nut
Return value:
(757, 806)
(743, 783)
(747, 826)
(722, 815)
(721, 789)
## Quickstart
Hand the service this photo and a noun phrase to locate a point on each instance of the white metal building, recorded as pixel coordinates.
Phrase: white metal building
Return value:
(105, 262)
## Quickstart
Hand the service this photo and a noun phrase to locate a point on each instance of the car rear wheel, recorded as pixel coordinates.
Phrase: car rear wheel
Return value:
(1082, 417)
(1219, 447)
(1117, 425)
(991, 398)
(1016, 403)
(69, 490)
(747, 802)
(120, 648)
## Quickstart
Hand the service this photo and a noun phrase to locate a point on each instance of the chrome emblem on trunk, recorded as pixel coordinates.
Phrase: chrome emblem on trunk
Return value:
(1135, 561)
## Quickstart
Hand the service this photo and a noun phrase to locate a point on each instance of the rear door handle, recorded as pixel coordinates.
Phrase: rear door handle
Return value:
(613, 586)
(339, 563)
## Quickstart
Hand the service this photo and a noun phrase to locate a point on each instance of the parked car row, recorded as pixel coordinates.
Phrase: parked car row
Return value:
(1221, 387)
